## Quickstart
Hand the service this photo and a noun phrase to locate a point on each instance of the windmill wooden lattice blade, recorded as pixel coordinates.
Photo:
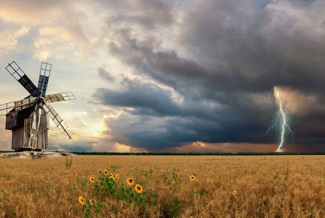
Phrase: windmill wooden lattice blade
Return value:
(17, 105)
(64, 96)
(5, 108)
(44, 77)
(58, 121)
(23, 79)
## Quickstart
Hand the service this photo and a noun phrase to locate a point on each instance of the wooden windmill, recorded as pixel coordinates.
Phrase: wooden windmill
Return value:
(27, 118)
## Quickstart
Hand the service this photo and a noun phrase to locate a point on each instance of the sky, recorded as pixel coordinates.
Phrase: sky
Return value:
(172, 76)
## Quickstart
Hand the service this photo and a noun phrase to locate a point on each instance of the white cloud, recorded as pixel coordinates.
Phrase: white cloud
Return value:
(9, 40)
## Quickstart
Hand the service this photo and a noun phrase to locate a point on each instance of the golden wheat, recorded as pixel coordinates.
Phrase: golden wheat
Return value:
(223, 186)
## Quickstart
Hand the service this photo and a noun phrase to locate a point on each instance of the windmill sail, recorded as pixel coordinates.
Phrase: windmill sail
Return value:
(25, 103)
(44, 77)
(30, 101)
(58, 121)
(5, 108)
(23, 79)
(17, 105)
(64, 96)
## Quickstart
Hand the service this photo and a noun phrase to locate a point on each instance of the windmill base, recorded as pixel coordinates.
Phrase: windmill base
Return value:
(34, 155)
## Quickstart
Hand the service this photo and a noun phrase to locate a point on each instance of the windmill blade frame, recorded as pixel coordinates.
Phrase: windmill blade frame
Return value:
(5, 108)
(58, 121)
(23, 79)
(17, 105)
(44, 77)
(63, 96)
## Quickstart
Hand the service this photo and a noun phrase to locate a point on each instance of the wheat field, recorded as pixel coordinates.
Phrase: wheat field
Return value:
(171, 186)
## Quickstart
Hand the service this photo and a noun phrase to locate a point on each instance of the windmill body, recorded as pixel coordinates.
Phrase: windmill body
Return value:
(28, 118)
(21, 125)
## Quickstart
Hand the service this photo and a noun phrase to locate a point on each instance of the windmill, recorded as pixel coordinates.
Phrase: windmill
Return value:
(27, 118)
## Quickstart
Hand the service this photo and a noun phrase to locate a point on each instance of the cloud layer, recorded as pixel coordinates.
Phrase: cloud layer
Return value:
(224, 60)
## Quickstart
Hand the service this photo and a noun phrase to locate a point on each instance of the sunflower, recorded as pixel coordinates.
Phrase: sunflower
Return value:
(75, 176)
(117, 176)
(234, 192)
(112, 177)
(92, 179)
(130, 181)
(91, 202)
(192, 178)
(105, 172)
(138, 188)
(110, 163)
(81, 200)
(173, 182)
(67, 182)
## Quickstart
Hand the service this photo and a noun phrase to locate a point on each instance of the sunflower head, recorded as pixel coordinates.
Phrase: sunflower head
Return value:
(130, 181)
(112, 177)
(67, 182)
(75, 176)
(234, 192)
(192, 178)
(117, 176)
(81, 200)
(91, 202)
(138, 188)
(92, 179)
(105, 172)
(110, 163)
(173, 182)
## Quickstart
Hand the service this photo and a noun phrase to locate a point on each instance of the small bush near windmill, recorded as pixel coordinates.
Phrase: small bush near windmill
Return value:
(160, 186)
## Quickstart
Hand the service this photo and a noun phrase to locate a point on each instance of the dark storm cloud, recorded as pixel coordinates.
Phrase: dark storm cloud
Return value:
(147, 13)
(323, 25)
(140, 132)
(150, 99)
(228, 54)
(252, 52)
(147, 98)
(104, 74)
(156, 121)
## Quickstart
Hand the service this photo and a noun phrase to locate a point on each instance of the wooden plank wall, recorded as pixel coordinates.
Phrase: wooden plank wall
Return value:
(21, 134)
(17, 138)
(11, 120)
(42, 141)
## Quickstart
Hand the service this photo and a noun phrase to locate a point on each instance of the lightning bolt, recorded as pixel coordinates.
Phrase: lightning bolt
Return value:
(284, 122)
(280, 116)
